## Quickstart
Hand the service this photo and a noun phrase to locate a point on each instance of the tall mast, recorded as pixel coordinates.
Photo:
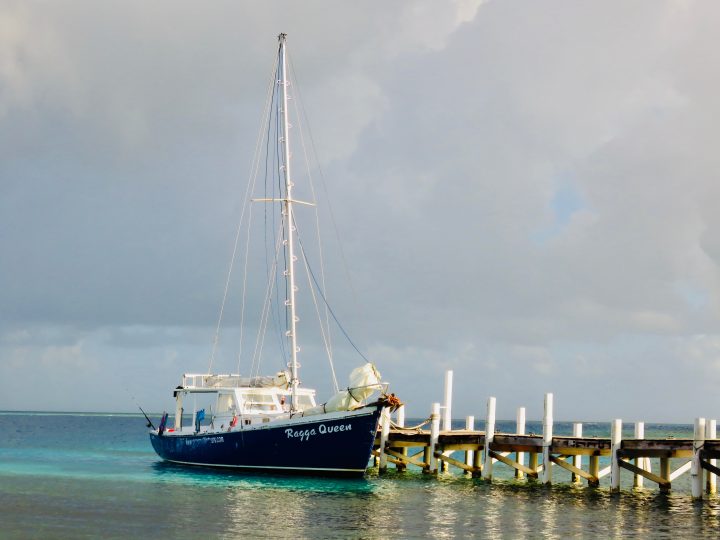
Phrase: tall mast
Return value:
(290, 228)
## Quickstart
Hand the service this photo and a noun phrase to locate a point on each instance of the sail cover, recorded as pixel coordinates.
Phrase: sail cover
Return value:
(364, 380)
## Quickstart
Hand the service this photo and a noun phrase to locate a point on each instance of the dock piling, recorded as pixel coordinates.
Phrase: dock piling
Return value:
(547, 438)
(696, 471)
(615, 443)
(520, 429)
(489, 436)
(577, 460)
(431, 460)
(711, 433)
(447, 409)
(447, 412)
(469, 426)
(640, 461)
(594, 470)
(384, 432)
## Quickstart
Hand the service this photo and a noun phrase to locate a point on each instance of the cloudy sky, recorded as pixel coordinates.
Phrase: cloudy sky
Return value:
(524, 192)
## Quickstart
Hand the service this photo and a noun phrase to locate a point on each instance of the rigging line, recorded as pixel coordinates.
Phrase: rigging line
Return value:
(322, 328)
(346, 267)
(267, 114)
(255, 365)
(340, 326)
(279, 164)
(248, 190)
(272, 158)
(244, 293)
(269, 310)
(328, 345)
(265, 191)
(277, 315)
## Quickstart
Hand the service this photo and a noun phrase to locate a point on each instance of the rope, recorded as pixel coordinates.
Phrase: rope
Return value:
(322, 328)
(260, 340)
(340, 326)
(324, 186)
(409, 428)
(274, 163)
(328, 345)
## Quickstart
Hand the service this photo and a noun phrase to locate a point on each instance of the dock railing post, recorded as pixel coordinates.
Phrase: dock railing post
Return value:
(400, 421)
(547, 438)
(434, 437)
(400, 416)
(520, 429)
(447, 410)
(384, 432)
(469, 426)
(489, 436)
(711, 433)
(640, 461)
(696, 470)
(615, 443)
(577, 460)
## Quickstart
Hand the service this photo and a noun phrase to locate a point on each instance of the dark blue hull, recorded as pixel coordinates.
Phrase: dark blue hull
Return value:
(317, 445)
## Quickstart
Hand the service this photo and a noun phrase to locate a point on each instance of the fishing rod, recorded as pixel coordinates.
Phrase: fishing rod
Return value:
(149, 424)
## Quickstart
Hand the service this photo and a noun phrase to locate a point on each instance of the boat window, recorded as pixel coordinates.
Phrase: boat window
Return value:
(225, 403)
(305, 401)
(263, 402)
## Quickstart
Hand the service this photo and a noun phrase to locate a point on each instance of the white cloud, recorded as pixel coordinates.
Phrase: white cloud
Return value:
(446, 132)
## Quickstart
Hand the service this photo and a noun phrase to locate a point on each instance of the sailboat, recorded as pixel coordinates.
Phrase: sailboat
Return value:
(272, 423)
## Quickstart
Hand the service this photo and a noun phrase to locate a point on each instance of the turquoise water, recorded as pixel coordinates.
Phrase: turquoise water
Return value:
(74, 476)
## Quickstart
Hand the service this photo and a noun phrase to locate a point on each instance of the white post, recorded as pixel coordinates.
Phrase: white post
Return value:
(577, 460)
(401, 423)
(489, 436)
(384, 432)
(547, 438)
(639, 462)
(447, 412)
(469, 426)
(696, 471)
(615, 442)
(711, 433)
(178, 411)
(520, 429)
(434, 436)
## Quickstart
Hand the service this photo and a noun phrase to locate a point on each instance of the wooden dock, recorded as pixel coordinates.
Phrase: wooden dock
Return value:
(535, 456)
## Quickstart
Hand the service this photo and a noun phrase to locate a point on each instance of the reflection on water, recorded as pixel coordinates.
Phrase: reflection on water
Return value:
(97, 477)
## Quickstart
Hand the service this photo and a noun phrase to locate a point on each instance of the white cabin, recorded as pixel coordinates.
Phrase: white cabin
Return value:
(249, 401)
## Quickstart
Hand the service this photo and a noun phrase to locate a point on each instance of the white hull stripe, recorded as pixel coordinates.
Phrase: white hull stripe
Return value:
(265, 467)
